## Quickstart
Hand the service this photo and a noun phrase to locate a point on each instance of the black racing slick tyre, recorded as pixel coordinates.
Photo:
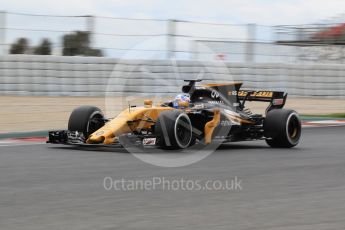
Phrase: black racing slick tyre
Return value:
(282, 128)
(174, 130)
(86, 119)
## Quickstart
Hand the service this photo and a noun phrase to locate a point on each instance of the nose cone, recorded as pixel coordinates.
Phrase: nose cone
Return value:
(106, 134)
(95, 139)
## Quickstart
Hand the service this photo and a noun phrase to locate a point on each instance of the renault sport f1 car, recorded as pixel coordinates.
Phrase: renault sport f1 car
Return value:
(201, 114)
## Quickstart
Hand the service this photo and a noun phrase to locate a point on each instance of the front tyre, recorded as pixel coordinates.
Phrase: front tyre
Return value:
(282, 128)
(86, 119)
(174, 130)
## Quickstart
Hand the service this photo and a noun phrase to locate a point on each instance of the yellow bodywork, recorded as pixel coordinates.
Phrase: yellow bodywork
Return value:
(129, 120)
(141, 118)
(211, 125)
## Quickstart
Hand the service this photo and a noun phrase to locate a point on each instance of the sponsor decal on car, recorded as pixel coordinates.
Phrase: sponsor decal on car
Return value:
(216, 102)
(256, 94)
(278, 101)
(149, 141)
(262, 94)
(215, 94)
(233, 93)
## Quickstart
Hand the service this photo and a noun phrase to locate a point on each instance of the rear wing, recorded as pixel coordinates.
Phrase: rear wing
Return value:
(232, 95)
(276, 99)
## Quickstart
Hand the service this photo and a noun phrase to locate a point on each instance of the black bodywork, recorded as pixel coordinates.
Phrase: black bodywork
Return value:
(237, 123)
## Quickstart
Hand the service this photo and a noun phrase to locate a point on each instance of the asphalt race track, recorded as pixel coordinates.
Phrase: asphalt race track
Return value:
(50, 187)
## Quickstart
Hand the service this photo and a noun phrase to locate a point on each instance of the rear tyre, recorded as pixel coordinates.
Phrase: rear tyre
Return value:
(86, 119)
(282, 128)
(174, 130)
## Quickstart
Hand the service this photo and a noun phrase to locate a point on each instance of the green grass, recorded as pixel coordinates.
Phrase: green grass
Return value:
(332, 115)
(24, 134)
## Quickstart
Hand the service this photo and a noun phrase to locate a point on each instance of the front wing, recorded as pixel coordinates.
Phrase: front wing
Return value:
(67, 137)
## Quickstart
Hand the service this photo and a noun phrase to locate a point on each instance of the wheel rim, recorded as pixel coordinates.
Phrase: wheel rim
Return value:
(94, 122)
(293, 128)
(183, 131)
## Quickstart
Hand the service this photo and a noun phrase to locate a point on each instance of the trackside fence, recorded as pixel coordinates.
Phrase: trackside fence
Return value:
(96, 76)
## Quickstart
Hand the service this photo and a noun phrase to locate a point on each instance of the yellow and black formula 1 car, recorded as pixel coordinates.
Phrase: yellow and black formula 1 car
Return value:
(202, 114)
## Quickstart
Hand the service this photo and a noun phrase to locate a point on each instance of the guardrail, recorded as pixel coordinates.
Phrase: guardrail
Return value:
(90, 76)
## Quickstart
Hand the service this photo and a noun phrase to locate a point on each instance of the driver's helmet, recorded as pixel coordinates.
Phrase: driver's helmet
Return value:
(181, 101)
